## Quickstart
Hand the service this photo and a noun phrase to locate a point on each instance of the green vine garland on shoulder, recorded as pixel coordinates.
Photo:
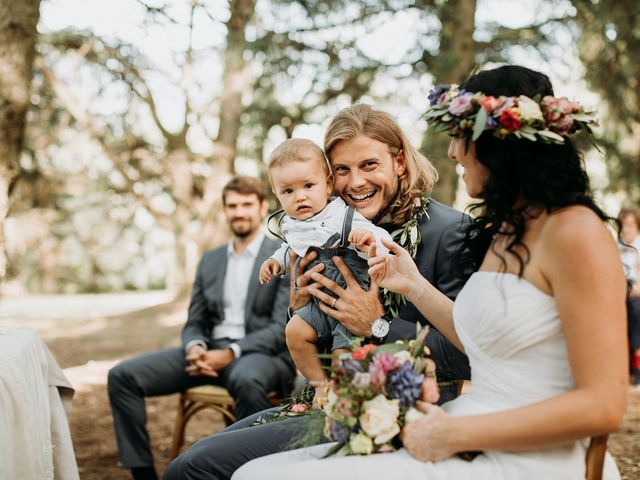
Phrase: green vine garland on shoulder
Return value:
(408, 236)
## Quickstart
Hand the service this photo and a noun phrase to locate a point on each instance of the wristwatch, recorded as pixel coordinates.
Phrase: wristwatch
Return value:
(380, 328)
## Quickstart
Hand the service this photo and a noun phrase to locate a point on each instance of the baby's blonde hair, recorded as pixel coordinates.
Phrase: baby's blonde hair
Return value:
(297, 150)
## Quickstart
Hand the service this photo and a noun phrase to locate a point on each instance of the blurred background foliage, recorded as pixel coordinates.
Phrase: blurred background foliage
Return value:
(125, 155)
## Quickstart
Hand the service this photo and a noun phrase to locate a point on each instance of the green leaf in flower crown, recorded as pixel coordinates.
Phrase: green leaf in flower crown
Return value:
(434, 113)
(583, 117)
(548, 134)
(481, 122)
(528, 136)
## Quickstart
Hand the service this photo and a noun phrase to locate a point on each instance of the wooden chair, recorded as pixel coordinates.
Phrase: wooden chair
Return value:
(195, 399)
(595, 457)
(595, 451)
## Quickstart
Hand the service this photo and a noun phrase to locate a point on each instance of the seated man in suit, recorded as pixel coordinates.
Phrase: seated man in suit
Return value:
(234, 335)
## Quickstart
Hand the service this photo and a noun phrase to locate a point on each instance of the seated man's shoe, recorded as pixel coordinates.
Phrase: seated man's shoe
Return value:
(144, 473)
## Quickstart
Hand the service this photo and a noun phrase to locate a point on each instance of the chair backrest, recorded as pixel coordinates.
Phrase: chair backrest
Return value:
(595, 457)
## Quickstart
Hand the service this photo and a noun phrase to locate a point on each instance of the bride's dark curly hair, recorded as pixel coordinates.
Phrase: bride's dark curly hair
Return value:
(522, 172)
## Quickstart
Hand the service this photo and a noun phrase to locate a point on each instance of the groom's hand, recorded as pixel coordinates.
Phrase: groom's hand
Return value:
(353, 306)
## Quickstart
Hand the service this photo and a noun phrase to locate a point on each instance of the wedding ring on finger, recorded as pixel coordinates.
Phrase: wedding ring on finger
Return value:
(333, 303)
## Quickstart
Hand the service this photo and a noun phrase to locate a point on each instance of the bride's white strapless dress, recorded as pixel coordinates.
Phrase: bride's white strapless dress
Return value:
(517, 350)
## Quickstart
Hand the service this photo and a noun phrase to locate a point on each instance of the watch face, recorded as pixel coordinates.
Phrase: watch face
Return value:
(380, 327)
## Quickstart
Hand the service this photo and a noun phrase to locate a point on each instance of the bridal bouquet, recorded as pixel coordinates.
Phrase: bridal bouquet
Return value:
(372, 394)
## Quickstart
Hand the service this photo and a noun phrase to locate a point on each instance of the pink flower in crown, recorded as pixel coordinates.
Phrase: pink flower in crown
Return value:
(442, 100)
(566, 106)
(380, 366)
(510, 119)
(506, 103)
(550, 108)
(490, 104)
(563, 125)
(461, 103)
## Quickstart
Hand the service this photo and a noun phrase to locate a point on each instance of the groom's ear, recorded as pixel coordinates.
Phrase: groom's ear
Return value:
(400, 163)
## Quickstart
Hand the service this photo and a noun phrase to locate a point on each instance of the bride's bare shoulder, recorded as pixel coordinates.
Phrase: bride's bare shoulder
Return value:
(575, 231)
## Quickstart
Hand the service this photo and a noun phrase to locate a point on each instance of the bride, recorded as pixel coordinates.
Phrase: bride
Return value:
(542, 321)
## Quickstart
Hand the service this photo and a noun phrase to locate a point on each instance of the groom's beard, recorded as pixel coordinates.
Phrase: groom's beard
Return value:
(386, 210)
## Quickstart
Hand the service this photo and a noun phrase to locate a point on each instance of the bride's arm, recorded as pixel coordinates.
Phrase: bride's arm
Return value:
(398, 272)
(582, 267)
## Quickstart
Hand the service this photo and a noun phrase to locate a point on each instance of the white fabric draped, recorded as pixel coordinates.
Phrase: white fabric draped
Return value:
(35, 397)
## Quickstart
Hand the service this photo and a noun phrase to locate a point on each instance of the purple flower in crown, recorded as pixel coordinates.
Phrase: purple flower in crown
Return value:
(461, 104)
(491, 124)
(404, 384)
(436, 92)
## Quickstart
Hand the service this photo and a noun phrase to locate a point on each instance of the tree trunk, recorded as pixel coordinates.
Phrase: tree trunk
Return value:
(234, 82)
(452, 65)
(18, 22)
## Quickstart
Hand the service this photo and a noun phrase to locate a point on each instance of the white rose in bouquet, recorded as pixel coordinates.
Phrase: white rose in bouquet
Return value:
(380, 418)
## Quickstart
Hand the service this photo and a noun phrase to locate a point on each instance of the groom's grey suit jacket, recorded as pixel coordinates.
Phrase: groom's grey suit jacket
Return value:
(265, 307)
(446, 267)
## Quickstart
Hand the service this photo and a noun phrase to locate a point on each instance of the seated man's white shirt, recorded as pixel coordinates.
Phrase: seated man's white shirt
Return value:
(236, 284)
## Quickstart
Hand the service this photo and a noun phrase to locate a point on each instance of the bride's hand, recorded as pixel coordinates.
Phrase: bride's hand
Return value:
(394, 270)
(427, 439)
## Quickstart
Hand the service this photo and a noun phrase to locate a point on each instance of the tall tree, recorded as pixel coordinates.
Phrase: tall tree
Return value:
(461, 44)
(456, 59)
(609, 47)
(18, 22)
(157, 166)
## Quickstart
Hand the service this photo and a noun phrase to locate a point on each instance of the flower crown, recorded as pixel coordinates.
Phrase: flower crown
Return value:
(462, 113)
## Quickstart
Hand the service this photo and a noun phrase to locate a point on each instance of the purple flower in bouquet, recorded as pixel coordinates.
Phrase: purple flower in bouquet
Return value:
(351, 367)
(338, 431)
(404, 384)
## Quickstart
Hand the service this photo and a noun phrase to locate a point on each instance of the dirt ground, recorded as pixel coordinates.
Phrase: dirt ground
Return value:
(88, 346)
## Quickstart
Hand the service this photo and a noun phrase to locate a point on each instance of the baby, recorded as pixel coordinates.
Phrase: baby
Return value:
(301, 179)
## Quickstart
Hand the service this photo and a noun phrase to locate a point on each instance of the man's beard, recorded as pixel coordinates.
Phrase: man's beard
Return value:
(242, 232)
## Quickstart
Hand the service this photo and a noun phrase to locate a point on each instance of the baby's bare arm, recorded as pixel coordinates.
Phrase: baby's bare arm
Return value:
(268, 269)
(361, 238)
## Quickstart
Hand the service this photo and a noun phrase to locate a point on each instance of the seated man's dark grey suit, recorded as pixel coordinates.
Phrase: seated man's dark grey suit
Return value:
(264, 365)
(218, 456)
